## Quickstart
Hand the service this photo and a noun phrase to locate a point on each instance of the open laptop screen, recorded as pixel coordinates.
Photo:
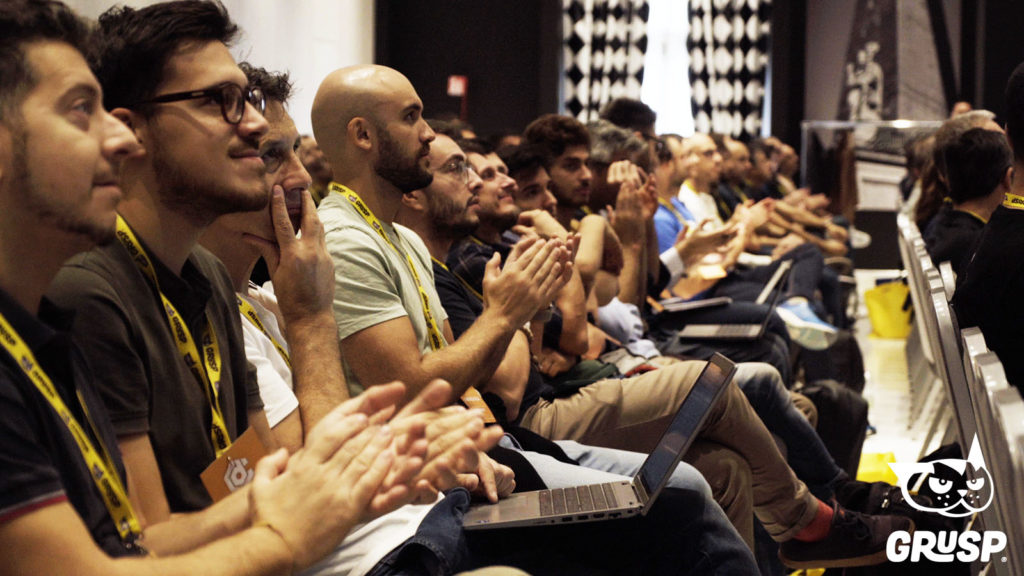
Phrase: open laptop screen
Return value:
(662, 461)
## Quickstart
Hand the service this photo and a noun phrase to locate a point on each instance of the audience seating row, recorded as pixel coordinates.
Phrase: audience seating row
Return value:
(981, 401)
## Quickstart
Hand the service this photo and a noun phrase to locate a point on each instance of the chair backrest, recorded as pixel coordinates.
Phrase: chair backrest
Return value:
(974, 345)
(1008, 477)
(950, 360)
(911, 243)
(948, 279)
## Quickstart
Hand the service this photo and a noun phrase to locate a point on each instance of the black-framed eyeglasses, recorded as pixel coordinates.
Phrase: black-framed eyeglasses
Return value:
(660, 147)
(231, 97)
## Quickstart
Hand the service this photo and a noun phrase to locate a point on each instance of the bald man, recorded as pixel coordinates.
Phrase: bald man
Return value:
(368, 121)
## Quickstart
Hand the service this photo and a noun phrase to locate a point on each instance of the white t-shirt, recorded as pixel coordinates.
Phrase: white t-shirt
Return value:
(368, 543)
(700, 204)
(274, 375)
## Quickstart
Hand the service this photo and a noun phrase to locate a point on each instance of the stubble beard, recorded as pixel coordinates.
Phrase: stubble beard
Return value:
(183, 193)
(63, 218)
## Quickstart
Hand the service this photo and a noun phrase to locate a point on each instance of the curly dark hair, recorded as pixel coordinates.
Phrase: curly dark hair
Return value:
(276, 86)
(554, 134)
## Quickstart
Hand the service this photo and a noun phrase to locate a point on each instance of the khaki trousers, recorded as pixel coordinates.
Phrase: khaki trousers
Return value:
(633, 413)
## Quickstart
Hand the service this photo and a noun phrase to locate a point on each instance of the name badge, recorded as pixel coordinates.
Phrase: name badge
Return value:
(235, 467)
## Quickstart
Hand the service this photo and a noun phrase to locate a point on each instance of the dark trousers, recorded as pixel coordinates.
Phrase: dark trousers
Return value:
(773, 348)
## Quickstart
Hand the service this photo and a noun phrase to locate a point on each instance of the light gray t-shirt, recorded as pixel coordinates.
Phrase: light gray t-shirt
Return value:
(372, 281)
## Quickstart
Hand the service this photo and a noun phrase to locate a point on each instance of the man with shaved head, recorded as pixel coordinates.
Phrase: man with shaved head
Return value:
(368, 120)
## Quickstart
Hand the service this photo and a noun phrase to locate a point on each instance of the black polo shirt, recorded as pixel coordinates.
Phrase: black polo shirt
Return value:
(990, 293)
(141, 376)
(40, 463)
(951, 236)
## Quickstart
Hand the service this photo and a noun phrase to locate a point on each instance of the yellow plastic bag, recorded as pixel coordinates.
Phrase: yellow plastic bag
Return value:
(889, 310)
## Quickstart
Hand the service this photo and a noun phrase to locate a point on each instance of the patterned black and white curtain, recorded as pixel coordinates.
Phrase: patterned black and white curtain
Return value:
(728, 45)
(604, 42)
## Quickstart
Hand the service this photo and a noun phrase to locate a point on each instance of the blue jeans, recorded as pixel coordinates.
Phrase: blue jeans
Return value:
(806, 454)
(684, 533)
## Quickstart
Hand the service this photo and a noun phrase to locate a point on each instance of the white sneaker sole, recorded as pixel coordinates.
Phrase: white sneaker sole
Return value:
(809, 335)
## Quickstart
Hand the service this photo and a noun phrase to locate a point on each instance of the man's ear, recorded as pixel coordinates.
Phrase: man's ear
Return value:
(1008, 178)
(361, 133)
(128, 118)
(415, 201)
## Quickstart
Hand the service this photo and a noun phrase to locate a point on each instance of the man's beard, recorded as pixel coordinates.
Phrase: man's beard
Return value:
(62, 218)
(501, 221)
(391, 166)
(449, 219)
(181, 192)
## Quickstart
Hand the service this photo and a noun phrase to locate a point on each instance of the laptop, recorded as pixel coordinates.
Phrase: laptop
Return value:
(619, 499)
(742, 331)
(677, 304)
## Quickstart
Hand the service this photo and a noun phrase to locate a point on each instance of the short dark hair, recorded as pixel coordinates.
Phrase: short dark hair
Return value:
(276, 86)
(474, 146)
(446, 127)
(952, 129)
(759, 145)
(976, 163)
(629, 113)
(1014, 110)
(22, 22)
(135, 45)
(554, 134)
(522, 160)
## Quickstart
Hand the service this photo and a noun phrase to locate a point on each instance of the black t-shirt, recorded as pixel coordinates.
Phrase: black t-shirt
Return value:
(40, 463)
(989, 294)
(122, 329)
(463, 309)
(951, 236)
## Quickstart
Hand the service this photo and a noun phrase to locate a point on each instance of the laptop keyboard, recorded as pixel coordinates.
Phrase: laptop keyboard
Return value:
(735, 330)
(577, 499)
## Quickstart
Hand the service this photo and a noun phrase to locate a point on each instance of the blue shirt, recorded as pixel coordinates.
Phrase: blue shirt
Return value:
(667, 223)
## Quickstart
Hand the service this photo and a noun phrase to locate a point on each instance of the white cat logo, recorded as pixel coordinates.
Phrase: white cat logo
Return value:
(954, 488)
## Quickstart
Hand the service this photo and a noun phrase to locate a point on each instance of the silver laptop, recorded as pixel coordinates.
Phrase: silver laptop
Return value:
(742, 331)
(677, 304)
(618, 499)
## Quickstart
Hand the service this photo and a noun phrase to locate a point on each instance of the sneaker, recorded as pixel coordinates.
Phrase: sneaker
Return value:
(855, 539)
(804, 327)
(859, 239)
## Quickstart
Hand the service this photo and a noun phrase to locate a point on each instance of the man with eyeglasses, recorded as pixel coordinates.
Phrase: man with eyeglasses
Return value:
(63, 503)
(178, 398)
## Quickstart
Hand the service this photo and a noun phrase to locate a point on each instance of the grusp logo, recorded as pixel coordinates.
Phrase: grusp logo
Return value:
(950, 487)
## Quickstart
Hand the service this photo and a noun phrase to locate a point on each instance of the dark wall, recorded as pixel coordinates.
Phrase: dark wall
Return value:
(789, 23)
(999, 30)
(509, 50)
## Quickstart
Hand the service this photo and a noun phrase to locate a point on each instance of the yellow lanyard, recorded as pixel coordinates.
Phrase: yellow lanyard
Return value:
(471, 397)
(249, 312)
(673, 210)
(739, 191)
(206, 366)
(465, 284)
(975, 214)
(100, 465)
(1014, 201)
